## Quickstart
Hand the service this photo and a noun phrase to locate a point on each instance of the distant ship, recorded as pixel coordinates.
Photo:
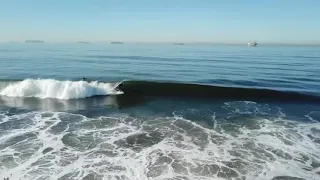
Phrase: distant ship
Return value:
(178, 44)
(253, 44)
(116, 42)
(83, 42)
(34, 41)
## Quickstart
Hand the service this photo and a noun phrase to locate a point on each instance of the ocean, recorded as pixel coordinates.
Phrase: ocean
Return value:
(159, 112)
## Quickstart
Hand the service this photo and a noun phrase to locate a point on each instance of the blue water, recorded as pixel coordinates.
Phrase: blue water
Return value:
(276, 67)
(53, 126)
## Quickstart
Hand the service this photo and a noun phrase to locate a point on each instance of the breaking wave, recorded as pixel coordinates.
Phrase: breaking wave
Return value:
(50, 88)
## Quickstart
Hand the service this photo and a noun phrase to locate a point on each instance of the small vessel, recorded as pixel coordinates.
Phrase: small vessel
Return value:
(116, 42)
(34, 41)
(83, 42)
(253, 44)
(178, 44)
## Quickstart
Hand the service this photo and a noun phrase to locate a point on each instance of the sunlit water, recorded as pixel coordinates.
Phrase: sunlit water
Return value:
(53, 126)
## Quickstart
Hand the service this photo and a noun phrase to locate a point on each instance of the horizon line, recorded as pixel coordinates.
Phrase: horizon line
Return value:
(159, 42)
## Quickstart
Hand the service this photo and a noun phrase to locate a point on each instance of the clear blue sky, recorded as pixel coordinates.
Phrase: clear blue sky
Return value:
(286, 21)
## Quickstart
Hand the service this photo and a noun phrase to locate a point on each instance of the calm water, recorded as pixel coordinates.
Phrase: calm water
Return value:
(53, 126)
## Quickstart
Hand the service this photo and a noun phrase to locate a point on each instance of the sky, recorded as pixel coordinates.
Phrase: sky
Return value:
(220, 21)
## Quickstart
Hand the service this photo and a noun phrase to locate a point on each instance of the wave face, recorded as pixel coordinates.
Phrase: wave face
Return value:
(207, 91)
(50, 88)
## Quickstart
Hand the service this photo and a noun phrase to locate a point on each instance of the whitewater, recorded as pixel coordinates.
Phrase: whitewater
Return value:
(51, 88)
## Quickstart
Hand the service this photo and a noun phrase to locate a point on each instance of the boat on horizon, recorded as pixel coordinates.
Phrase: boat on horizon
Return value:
(83, 42)
(116, 42)
(34, 41)
(178, 44)
(252, 44)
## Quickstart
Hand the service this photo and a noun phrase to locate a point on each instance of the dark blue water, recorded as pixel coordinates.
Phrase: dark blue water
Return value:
(54, 126)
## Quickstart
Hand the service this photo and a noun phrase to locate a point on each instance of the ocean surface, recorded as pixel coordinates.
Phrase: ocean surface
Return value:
(159, 112)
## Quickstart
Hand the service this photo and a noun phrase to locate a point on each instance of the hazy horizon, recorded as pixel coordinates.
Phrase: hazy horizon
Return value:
(185, 21)
(155, 42)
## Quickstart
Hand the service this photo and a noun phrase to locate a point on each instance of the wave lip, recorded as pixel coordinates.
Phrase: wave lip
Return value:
(50, 88)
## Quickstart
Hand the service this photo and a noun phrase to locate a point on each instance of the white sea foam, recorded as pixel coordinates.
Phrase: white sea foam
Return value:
(50, 88)
(121, 147)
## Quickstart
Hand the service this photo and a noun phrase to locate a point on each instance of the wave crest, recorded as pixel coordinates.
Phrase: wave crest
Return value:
(50, 88)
